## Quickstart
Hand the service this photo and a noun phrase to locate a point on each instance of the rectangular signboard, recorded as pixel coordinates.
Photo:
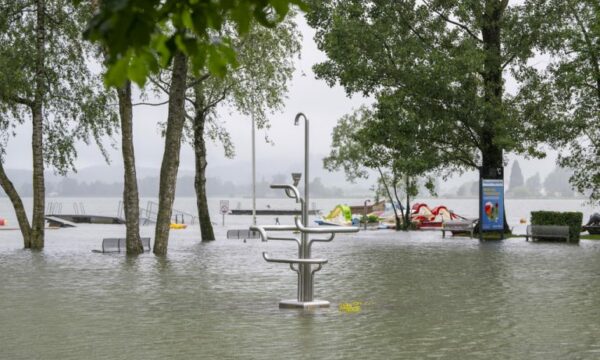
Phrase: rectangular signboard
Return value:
(224, 206)
(492, 205)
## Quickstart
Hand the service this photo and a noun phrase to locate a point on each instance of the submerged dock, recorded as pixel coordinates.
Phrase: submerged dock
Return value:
(272, 212)
(67, 220)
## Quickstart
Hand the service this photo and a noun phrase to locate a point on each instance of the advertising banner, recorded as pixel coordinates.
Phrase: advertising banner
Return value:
(492, 205)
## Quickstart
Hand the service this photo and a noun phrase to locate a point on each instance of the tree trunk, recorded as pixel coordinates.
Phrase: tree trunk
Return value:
(131, 201)
(407, 219)
(17, 204)
(492, 159)
(492, 166)
(206, 228)
(387, 190)
(170, 161)
(37, 222)
(404, 223)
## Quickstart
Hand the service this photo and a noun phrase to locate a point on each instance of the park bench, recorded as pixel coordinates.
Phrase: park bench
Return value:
(243, 234)
(547, 232)
(458, 227)
(111, 245)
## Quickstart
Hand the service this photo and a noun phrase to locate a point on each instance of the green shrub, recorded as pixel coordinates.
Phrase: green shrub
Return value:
(573, 220)
(369, 219)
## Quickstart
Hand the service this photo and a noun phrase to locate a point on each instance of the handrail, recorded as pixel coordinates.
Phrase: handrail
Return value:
(324, 229)
(331, 236)
(287, 189)
(262, 229)
(294, 261)
(284, 239)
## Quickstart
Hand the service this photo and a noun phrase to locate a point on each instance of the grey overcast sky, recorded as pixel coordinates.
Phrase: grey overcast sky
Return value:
(323, 106)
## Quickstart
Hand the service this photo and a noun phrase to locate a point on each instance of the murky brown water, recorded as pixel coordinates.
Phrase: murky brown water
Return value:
(425, 297)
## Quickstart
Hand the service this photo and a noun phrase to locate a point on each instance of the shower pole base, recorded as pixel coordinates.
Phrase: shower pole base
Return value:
(295, 304)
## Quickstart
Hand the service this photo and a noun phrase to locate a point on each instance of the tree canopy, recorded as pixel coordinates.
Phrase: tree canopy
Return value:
(76, 107)
(442, 62)
(142, 35)
(569, 88)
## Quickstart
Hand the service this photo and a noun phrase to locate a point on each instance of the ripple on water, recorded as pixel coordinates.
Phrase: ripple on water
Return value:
(423, 296)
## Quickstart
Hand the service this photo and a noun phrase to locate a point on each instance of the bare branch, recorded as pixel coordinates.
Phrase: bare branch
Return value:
(450, 21)
(151, 104)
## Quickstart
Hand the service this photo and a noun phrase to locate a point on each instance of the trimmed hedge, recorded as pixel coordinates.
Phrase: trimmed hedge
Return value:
(573, 220)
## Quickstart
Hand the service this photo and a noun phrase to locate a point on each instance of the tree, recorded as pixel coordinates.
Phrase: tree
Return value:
(131, 202)
(370, 139)
(441, 61)
(557, 183)
(534, 185)
(144, 35)
(516, 176)
(170, 161)
(569, 88)
(44, 76)
(255, 88)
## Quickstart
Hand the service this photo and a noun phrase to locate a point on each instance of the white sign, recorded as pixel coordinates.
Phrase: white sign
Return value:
(224, 205)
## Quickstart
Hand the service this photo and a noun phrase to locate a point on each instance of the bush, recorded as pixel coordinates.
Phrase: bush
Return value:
(573, 220)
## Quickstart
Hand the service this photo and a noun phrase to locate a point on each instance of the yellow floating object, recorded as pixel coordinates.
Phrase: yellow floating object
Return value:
(353, 307)
(178, 226)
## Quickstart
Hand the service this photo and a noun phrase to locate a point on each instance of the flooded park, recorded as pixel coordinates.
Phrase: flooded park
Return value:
(444, 199)
(393, 295)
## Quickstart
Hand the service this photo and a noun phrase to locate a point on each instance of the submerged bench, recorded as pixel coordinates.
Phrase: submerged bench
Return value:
(110, 245)
(547, 232)
(243, 234)
(458, 227)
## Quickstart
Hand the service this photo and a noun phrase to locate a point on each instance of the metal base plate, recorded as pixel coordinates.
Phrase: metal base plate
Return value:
(295, 304)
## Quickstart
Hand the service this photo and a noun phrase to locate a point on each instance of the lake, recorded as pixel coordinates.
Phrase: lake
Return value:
(421, 296)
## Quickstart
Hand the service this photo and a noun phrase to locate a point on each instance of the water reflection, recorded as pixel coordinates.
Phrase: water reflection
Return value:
(424, 296)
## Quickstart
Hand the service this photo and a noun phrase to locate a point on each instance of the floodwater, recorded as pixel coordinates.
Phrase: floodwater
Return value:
(420, 296)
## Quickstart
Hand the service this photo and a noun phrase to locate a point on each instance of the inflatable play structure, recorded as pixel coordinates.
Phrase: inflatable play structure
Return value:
(425, 218)
(340, 216)
(421, 216)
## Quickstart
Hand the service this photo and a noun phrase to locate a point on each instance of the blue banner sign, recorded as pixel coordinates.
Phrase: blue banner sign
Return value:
(492, 205)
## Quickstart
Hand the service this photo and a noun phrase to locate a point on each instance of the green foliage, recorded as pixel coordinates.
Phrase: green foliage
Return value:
(369, 219)
(76, 105)
(568, 89)
(142, 36)
(429, 68)
(256, 88)
(573, 220)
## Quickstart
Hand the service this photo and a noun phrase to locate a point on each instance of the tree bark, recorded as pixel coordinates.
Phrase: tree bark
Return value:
(206, 228)
(387, 190)
(37, 222)
(492, 166)
(492, 159)
(170, 161)
(404, 222)
(407, 219)
(17, 204)
(131, 202)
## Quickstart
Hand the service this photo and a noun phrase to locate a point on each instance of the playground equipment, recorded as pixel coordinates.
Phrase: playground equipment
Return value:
(303, 265)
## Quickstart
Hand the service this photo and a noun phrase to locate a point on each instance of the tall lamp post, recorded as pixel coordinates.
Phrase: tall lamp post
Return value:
(366, 202)
(306, 177)
(253, 174)
(306, 277)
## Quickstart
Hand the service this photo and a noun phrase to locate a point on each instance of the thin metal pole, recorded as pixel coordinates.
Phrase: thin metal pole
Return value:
(365, 210)
(253, 174)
